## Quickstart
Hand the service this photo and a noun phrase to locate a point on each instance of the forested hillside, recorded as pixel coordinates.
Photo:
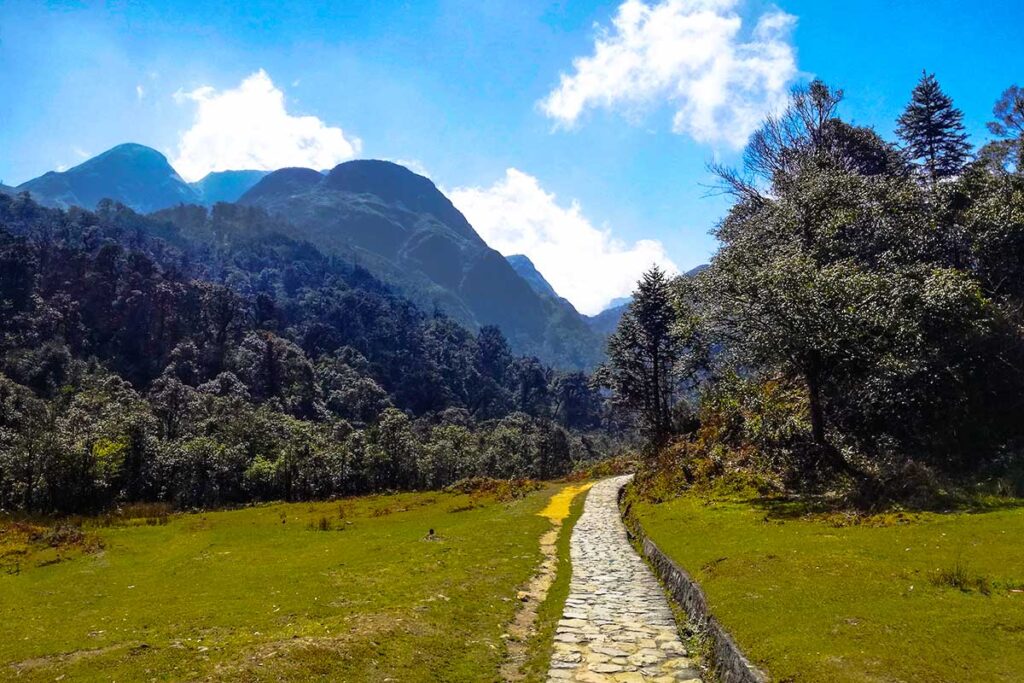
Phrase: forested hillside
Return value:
(203, 357)
(399, 226)
(392, 222)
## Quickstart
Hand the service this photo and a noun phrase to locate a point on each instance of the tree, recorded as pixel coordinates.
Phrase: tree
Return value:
(933, 131)
(1009, 127)
(393, 452)
(447, 456)
(643, 356)
(807, 134)
(851, 280)
(576, 403)
(207, 358)
(529, 379)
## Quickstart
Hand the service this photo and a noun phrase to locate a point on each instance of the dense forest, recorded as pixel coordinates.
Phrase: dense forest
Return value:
(861, 328)
(203, 357)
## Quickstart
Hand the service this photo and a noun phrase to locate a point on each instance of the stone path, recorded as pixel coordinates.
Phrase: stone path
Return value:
(617, 625)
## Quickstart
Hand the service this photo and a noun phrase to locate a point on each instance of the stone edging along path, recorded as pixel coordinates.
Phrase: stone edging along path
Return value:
(728, 662)
(617, 624)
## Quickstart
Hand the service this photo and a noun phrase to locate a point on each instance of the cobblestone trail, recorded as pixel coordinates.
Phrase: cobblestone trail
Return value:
(617, 625)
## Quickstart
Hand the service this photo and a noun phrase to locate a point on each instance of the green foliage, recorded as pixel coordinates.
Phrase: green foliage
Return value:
(210, 360)
(653, 355)
(1008, 150)
(865, 327)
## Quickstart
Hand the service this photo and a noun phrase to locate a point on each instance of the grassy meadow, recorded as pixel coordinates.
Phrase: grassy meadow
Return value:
(354, 590)
(911, 597)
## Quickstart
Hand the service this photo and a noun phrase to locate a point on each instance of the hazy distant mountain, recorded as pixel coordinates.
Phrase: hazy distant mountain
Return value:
(401, 227)
(132, 174)
(606, 321)
(526, 270)
(226, 186)
(7, 189)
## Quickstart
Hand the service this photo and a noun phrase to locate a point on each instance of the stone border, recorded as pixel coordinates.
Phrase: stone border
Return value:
(727, 660)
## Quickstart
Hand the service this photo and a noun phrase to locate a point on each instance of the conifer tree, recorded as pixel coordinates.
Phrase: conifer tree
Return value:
(643, 353)
(933, 131)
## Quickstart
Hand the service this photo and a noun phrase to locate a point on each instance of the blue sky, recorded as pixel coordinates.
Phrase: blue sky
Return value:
(606, 172)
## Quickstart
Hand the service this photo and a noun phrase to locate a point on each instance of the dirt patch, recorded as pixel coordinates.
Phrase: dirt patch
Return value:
(502, 490)
(523, 624)
(70, 657)
(23, 544)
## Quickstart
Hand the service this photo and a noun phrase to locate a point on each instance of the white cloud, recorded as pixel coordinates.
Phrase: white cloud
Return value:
(414, 165)
(140, 92)
(691, 54)
(586, 265)
(248, 127)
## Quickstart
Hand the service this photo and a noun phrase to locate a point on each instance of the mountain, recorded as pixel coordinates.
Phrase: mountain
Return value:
(524, 266)
(226, 186)
(379, 215)
(618, 302)
(399, 226)
(132, 174)
(605, 322)
(7, 189)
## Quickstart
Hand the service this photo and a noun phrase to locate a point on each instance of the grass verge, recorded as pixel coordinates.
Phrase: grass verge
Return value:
(541, 644)
(916, 598)
(354, 590)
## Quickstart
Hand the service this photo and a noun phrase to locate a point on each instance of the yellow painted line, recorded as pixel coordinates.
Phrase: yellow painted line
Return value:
(558, 507)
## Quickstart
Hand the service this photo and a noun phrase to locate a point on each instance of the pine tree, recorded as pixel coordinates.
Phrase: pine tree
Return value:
(933, 131)
(643, 356)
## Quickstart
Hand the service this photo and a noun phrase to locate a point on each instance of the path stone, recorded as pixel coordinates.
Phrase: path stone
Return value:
(617, 625)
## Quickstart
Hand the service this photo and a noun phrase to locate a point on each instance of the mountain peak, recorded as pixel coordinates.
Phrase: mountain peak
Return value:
(131, 148)
(137, 157)
(398, 225)
(394, 183)
(134, 174)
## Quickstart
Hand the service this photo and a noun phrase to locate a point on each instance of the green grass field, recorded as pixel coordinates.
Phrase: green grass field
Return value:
(922, 598)
(265, 593)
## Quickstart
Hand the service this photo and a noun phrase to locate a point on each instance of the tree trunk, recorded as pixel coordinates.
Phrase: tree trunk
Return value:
(816, 409)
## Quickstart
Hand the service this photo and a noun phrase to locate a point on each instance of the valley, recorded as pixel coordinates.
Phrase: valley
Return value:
(652, 341)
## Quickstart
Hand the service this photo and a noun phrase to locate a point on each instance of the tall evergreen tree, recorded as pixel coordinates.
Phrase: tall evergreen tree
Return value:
(643, 353)
(933, 131)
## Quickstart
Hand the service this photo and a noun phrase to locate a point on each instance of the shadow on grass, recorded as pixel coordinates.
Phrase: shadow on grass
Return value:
(838, 512)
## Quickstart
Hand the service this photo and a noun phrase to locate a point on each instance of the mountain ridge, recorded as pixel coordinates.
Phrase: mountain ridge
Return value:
(378, 214)
(226, 186)
(404, 229)
(129, 171)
